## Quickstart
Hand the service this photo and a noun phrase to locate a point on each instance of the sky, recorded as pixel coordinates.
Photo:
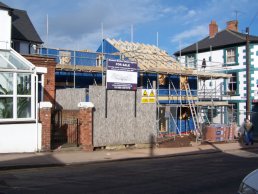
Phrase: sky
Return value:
(170, 24)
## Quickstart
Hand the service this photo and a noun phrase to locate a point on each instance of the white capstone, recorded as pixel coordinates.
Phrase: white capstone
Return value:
(41, 70)
(45, 105)
(85, 105)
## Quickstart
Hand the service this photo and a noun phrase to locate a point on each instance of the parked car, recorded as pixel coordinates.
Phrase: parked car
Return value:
(249, 185)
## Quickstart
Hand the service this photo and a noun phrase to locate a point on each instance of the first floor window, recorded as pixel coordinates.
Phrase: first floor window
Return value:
(230, 55)
(190, 61)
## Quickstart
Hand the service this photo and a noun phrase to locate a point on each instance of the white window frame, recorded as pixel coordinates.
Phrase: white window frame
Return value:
(13, 69)
(15, 97)
(230, 55)
(190, 61)
(232, 82)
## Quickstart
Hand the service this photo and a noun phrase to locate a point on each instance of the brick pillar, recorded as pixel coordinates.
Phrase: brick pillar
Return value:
(49, 85)
(86, 128)
(45, 119)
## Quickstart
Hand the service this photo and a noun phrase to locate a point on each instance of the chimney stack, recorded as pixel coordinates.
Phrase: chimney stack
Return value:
(213, 27)
(6, 22)
(232, 25)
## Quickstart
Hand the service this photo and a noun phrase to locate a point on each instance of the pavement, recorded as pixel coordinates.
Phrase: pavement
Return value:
(76, 157)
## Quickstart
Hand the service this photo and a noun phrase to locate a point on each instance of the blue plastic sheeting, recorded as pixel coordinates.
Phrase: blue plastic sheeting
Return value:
(173, 102)
(107, 47)
(77, 57)
(172, 92)
(84, 58)
(175, 125)
(193, 85)
(82, 80)
(185, 125)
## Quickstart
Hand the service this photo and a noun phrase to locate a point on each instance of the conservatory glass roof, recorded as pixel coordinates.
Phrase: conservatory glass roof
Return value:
(11, 60)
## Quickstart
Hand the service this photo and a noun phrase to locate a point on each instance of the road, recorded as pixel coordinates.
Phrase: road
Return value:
(205, 173)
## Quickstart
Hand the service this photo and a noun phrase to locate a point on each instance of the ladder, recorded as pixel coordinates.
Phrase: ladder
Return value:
(174, 88)
(193, 111)
(204, 117)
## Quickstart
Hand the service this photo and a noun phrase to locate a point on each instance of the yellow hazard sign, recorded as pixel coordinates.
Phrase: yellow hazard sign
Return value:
(148, 96)
(152, 93)
(145, 93)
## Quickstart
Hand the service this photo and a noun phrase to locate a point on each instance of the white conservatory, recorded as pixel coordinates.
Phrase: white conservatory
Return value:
(19, 127)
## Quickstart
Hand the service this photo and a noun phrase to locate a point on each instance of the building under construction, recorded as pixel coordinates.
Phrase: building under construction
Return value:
(182, 102)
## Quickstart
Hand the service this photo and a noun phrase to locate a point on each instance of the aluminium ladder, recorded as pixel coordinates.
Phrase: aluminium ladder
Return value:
(193, 111)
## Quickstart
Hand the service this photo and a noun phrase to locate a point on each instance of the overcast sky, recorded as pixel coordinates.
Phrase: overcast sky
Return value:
(77, 24)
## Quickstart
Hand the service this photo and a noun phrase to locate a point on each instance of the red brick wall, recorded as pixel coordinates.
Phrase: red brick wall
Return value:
(232, 25)
(45, 119)
(50, 64)
(86, 131)
(213, 28)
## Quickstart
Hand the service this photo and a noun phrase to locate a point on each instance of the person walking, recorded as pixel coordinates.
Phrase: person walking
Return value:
(248, 132)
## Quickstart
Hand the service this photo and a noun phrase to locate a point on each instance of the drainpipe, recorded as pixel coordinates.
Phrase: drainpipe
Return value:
(248, 77)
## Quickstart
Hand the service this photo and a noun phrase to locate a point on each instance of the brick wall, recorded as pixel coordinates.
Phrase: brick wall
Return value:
(85, 127)
(45, 119)
(50, 64)
(213, 28)
(232, 25)
(86, 135)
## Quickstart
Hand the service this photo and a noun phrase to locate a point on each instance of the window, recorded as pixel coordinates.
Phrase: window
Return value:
(231, 55)
(23, 95)
(6, 95)
(232, 85)
(232, 112)
(17, 87)
(40, 87)
(15, 95)
(190, 61)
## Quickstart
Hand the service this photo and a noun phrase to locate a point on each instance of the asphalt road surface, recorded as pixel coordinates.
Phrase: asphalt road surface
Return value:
(205, 173)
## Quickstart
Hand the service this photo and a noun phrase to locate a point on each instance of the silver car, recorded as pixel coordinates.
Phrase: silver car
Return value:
(249, 184)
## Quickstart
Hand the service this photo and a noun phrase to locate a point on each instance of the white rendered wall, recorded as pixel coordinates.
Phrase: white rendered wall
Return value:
(255, 75)
(5, 35)
(19, 138)
(218, 61)
(242, 111)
